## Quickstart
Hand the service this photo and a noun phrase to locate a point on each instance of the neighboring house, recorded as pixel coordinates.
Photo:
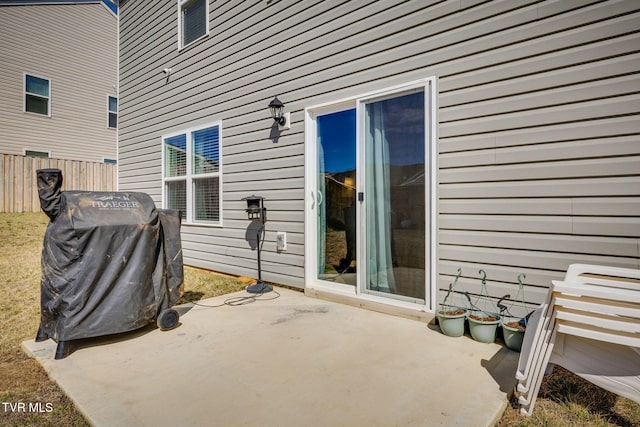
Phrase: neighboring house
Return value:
(58, 90)
(424, 137)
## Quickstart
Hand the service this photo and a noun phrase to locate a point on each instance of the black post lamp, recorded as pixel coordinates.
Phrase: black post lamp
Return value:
(256, 210)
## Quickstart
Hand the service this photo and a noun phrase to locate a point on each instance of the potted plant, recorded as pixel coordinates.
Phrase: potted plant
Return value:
(513, 332)
(514, 327)
(483, 326)
(451, 318)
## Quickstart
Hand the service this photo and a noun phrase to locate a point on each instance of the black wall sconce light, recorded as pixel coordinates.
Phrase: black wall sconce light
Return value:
(256, 210)
(279, 116)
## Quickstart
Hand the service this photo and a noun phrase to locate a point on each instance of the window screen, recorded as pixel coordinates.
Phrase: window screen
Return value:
(194, 20)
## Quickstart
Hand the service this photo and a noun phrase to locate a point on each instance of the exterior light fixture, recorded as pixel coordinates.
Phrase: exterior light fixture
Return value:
(277, 113)
(256, 211)
(255, 208)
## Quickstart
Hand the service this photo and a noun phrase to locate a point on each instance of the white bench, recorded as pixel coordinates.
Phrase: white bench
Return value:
(590, 325)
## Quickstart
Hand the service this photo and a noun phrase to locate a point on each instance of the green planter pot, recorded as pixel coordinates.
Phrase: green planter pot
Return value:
(512, 335)
(484, 327)
(451, 324)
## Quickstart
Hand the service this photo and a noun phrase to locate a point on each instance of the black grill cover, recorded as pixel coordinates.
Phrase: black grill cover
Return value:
(111, 261)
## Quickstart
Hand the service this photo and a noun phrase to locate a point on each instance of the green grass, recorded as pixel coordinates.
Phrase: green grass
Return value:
(564, 398)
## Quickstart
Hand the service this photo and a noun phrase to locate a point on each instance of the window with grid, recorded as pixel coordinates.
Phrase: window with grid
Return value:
(192, 173)
(37, 95)
(193, 20)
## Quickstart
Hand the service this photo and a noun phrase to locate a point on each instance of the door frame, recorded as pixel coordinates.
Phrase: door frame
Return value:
(356, 102)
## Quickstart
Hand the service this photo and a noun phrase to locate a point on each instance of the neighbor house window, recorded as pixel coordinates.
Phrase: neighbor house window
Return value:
(36, 153)
(192, 174)
(193, 20)
(37, 95)
(113, 112)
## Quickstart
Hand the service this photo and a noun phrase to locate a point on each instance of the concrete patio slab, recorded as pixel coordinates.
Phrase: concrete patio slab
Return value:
(289, 361)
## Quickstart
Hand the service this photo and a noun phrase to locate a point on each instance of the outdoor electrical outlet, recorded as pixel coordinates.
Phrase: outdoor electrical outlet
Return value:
(281, 241)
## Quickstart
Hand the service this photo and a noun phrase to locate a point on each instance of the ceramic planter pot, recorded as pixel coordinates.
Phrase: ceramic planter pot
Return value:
(513, 332)
(452, 322)
(483, 326)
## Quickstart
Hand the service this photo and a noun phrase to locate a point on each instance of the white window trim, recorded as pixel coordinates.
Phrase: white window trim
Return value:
(189, 176)
(181, 46)
(311, 113)
(25, 93)
(109, 111)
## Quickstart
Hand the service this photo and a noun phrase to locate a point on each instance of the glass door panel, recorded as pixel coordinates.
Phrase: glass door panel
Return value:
(394, 173)
(336, 197)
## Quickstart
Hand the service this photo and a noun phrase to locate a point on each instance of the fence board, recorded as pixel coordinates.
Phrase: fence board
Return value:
(19, 187)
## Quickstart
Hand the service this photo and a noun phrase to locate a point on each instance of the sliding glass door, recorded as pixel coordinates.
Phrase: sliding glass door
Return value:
(394, 171)
(370, 196)
(336, 197)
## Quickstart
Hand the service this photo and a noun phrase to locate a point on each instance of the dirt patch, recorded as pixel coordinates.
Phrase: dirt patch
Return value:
(483, 318)
(451, 312)
(515, 325)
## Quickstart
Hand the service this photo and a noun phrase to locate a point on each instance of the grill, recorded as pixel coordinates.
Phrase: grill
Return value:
(111, 263)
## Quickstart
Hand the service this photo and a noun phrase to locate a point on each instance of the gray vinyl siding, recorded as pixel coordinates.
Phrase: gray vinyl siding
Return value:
(538, 104)
(75, 47)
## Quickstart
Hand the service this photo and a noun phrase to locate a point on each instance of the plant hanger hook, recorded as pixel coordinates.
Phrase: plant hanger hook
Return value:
(501, 306)
(484, 276)
(521, 277)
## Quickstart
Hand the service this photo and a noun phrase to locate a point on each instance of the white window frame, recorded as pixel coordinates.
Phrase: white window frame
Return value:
(429, 85)
(109, 111)
(189, 177)
(25, 93)
(181, 5)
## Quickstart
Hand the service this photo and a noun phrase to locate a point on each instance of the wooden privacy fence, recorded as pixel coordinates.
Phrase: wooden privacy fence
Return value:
(19, 188)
